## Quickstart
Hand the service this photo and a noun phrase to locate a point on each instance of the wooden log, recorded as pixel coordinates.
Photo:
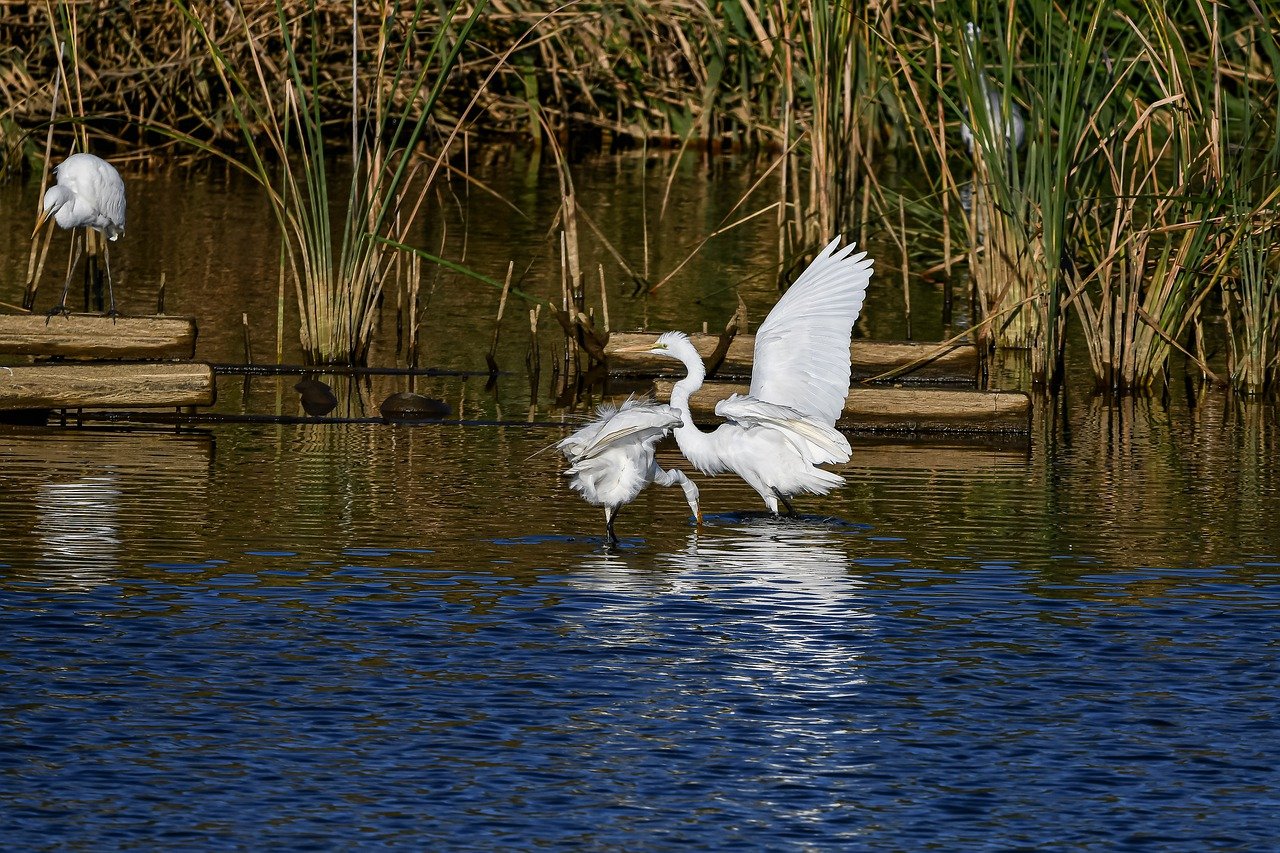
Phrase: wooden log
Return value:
(880, 409)
(952, 363)
(93, 336)
(106, 386)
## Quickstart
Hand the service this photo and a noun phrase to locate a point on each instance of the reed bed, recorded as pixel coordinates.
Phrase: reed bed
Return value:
(1137, 203)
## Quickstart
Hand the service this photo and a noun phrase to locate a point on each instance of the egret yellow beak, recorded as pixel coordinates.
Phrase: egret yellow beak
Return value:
(636, 348)
(41, 222)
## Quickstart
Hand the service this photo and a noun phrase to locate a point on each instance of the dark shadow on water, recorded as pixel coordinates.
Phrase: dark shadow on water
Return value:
(599, 544)
(763, 519)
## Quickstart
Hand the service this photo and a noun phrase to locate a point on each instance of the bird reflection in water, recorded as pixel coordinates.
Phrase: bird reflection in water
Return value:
(803, 561)
(789, 578)
(77, 526)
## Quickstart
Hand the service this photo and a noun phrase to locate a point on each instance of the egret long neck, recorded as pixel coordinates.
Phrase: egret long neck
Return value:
(684, 389)
(697, 446)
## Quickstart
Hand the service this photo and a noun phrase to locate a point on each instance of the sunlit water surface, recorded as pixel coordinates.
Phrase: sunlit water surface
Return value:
(363, 636)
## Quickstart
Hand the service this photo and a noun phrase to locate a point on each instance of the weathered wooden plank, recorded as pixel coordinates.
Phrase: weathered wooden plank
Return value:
(952, 363)
(93, 336)
(896, 409)
(106, 386)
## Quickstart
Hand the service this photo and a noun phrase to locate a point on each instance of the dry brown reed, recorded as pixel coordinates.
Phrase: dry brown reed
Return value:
(1133, 207)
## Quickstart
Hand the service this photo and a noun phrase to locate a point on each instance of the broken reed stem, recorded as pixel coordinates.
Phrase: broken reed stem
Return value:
(491, 357)
(604, 300)
(415, 290)
(906, 264)
(248, 343)
(280, 306)
(36, 259)
(533, 358)
(568, 306)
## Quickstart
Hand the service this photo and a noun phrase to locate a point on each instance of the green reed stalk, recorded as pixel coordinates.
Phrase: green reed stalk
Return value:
(1182, 212)
(1250, 153)
(834, 71)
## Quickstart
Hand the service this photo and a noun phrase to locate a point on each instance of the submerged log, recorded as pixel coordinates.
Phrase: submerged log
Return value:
(877, 409)
(96, 336)
(989, 454)
(103, 386)
(929, 362)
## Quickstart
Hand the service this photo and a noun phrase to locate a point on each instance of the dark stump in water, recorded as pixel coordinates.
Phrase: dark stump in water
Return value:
(318, 398)
(408, 406)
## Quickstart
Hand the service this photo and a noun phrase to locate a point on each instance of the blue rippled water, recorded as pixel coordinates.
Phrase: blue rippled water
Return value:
(333, 640)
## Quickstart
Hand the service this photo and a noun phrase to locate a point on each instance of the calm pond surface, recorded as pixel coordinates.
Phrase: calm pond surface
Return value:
(358, 636)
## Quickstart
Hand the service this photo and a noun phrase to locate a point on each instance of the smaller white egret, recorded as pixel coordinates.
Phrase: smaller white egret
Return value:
(88, 194)
(612, 458)
(779, 433)
(1011, 131)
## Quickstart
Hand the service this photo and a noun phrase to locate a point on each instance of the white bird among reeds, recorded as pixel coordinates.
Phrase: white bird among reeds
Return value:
(612, 458)
(89, 194)
(785, 427)
(1009, 131)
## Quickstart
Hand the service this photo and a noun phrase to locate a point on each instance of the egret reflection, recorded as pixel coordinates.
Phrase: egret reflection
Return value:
(77, 526)
(787, 585)
(802, 562)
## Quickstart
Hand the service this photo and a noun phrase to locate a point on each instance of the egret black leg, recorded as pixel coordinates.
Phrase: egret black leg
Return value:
(610, 514)
(61, 307)
(111, 295)
(791, 511)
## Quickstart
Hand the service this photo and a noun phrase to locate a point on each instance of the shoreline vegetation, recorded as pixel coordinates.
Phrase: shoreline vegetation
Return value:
(1110, 166)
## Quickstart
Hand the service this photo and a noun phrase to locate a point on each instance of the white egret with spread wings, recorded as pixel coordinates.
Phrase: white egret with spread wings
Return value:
(779, 433)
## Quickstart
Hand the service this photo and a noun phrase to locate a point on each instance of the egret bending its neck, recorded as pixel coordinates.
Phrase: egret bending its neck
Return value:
(679, 346)
(696, 445)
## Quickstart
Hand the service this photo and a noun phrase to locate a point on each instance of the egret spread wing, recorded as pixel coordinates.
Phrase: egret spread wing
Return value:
(821, 443)
(802, 347)
(637, 420)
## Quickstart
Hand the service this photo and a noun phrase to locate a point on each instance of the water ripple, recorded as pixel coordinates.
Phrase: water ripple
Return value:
(354, 652)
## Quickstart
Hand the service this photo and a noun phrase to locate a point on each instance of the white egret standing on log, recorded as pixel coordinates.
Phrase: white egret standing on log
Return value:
(785, 427)
(612, 458)
(89, 194)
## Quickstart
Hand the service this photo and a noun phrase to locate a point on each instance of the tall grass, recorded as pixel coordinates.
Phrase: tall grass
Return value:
(1189, 189)
(1144, 234)
(1249, 146)
(339, 266)
(1113, 213)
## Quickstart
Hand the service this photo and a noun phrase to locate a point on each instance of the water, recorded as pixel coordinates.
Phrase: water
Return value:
(255, 636)
(396, 637)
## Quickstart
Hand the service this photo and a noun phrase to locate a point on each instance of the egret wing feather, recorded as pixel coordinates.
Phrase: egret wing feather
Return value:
(821, 443)
(802, 347)
(638, 420)
(111, 200)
